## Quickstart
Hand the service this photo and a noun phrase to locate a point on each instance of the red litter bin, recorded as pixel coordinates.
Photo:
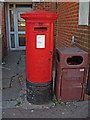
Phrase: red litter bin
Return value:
(39, 55)
(71, 74)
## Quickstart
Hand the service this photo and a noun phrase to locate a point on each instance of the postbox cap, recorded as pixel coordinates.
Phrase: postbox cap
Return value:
(39, 14)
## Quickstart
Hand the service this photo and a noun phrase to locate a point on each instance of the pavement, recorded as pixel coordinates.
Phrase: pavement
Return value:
(15, 104)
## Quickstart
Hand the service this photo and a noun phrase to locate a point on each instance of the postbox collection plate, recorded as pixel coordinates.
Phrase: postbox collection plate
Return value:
(40, 41)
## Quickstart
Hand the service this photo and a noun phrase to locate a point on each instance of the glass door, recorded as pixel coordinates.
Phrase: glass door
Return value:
(20, 29)
(16, 25)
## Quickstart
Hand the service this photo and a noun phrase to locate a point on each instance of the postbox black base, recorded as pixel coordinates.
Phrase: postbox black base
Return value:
(39, 93)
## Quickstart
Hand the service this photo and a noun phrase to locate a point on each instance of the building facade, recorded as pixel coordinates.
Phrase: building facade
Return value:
(70, 26)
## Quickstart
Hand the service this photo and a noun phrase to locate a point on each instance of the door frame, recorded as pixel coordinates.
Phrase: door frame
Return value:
(15, 32)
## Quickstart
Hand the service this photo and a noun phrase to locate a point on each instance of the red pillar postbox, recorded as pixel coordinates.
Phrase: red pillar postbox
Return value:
(39, 55)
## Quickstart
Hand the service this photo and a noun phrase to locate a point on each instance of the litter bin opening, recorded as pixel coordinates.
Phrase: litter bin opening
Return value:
(74, 60)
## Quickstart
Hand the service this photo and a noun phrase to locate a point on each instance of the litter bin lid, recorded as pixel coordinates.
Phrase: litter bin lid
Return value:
(72, 50)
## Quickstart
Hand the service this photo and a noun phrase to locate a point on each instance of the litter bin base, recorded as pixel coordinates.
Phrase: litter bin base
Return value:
(39, 93)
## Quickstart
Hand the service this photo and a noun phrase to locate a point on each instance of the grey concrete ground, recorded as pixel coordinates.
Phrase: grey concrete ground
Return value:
(14, 102)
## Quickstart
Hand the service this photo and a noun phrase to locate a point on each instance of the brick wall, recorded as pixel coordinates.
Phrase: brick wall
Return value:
(0, 33)
(68, 27)
(67, 22)
(3, 31)
(1, 13)
(89, 33)
(49, 6)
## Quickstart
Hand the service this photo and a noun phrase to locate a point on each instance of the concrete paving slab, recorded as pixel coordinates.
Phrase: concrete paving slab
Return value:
(9, 104)
(13, 56)
(81, 112)
(9, 94)
(26, 105)
(0, 95)
(22, 65)
(9, 71)
(69, 109)
(5, 83)
(13, 89)
(1, 75)
(12, 113)
(0, 84)
(57, 111)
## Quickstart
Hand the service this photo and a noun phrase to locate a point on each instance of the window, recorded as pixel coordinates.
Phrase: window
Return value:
(83, 13)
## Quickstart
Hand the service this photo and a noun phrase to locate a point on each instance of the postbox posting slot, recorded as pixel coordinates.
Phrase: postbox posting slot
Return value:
(40, 28)
(74, 60)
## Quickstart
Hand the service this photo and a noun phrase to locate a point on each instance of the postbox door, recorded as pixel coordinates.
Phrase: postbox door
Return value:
(40, 47)
(72, 84)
